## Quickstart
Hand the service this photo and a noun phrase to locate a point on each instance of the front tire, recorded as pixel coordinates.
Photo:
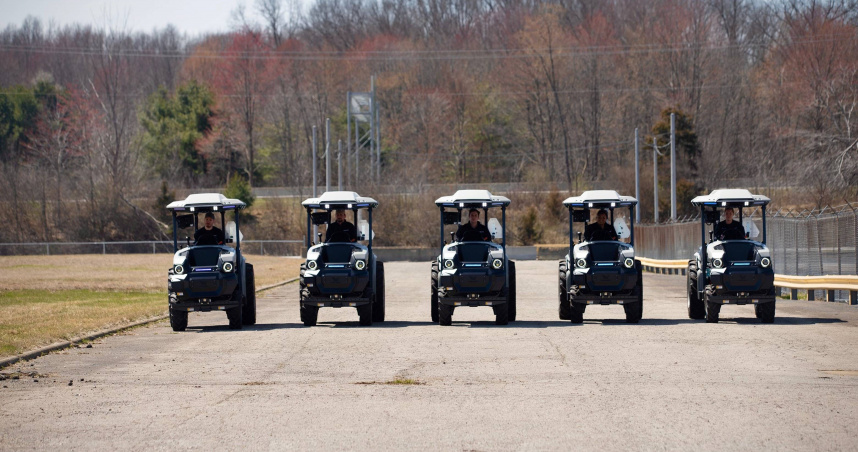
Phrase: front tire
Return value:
(378, 305)
(712, 309)
(178, 319)
(576, 312)
(765, 312)
(696, 310)
(501, 313)
(309, 315)
(365, 314)
(235, 316)
(511, 297)
(563, 294)
(445, 314)
(249, 314)
(433, 297)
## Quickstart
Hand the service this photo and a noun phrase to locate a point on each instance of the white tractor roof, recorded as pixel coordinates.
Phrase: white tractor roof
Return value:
(600, 199)
(340, 200)
(203, 202)
(472, 198)
(730, 197)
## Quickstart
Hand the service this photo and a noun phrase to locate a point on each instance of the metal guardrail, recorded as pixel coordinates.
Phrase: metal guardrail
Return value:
(275, 247)
(829, 284)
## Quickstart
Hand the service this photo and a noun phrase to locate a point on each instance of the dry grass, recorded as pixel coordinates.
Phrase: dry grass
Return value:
(45, 299)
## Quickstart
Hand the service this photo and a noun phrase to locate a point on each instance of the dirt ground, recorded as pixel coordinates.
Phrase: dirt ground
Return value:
(408, 384)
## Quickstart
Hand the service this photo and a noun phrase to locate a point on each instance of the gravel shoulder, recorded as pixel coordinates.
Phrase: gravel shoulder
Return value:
(540, 383)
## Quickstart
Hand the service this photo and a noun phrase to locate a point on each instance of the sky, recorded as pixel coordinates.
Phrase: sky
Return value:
(189, 16)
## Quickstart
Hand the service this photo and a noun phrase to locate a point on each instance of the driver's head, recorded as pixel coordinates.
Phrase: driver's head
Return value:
(728, 214)
(209, 221)
(473, 216)
(341, 215)
(601, 216)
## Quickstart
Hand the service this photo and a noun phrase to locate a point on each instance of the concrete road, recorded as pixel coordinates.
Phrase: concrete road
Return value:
(540, 383)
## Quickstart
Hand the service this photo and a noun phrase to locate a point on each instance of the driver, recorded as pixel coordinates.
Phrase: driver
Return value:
(473, 229)
(729, 229)
(341, 230)
(600, 230)
(208, 234)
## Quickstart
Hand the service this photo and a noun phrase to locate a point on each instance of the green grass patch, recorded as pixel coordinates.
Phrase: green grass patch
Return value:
(32, 318)
(403, 381)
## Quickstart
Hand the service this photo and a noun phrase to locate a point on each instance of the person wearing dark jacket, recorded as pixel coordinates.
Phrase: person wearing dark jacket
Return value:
(473, 230)
(341, 230)
(600, 230)
(208, 234)
(729, 229)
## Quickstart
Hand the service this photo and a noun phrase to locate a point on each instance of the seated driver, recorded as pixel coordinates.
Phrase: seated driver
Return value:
(208, 234)
(601, 229)
(473, 230)
(729, 229)
(341, 230)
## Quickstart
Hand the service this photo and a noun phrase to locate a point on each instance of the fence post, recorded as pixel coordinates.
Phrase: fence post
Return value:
(153, 247)
(103, 248)
(261, 248)
(837, 234)
(48, 249)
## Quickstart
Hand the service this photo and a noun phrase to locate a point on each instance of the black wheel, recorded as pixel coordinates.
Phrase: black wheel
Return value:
(235, 316)
(501, 313)
(378, 304)
(433, 297)
(178, 319)
(634, 311)
(576, 312)
(511, 297)
(765, 312)
(309, 315)
(696, 310)
(445, 314)
(712, 309)
(249, 315)
(365, 314)
(563, 295)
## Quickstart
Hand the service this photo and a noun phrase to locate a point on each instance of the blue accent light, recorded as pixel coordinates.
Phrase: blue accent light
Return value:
(744, 264)
(335, 266)
(605, 264)
(473, 265)
(203, 269)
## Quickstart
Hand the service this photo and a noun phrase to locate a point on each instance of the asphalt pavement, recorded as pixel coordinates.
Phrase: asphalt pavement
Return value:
(408, 384)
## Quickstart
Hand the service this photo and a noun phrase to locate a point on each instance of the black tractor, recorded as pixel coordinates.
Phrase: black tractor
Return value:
(340, 271)
(473, 270)
(210, 273)
(601, 268)
(729, 267)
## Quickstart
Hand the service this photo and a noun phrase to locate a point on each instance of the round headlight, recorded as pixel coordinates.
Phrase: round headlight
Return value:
(581, 263)
(717, 263)
(765, 262)
(629, 262)
(497, 263)
(179, 269)
(312, 265)
(360, 264)
(448, 263)
(227, 267)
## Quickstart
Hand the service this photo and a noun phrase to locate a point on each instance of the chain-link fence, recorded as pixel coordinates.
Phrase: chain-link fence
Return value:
(802, 242)
(267, 247)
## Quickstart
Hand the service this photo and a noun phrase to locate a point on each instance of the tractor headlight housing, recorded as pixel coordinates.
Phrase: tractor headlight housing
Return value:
(179, 269)
(227, 267)
(581, 263)
(765, 262)
(629, 262)
(312, 265)
(448, 264)
(497, 264)
(360, 264)
(717, 262)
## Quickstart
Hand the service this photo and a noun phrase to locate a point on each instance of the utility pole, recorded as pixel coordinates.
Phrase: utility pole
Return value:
(655, 179)
(315, 227)
(340, 165)
(349, 138)
(673, 166)
(637, 176)
(328, 154)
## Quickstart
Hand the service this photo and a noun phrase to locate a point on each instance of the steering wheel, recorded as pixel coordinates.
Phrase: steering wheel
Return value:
(472, 236)
(339, 237)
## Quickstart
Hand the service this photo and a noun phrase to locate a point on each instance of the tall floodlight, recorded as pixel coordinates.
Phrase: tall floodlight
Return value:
(673, 166)
(362, 112)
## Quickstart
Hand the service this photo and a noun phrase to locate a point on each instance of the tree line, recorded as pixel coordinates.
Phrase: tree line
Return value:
(98, 123)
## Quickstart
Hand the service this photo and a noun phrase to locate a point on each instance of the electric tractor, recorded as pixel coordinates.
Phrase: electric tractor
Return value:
(601, 268)
(340, 271)
(730, 268)
(209, 274)
(473, 270)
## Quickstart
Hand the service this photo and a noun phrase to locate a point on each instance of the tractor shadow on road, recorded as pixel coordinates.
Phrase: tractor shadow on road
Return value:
(785, 320)
(385, 324)
(257, 327)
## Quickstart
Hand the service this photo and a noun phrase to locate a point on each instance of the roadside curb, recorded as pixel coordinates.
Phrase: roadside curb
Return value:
(66, 344)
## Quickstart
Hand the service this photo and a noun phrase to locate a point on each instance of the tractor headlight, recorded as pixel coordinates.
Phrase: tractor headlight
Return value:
(629, 262)
(312, 265)
(765, 262)
(227, 267)
(179, 269)
(448, 264)
(717, 263)
(360, 264)
(581, 263)
(497, 264)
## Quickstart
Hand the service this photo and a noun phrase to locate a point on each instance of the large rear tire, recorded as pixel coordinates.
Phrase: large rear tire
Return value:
(766, 312)
(512, 308)
(249, 314)
(378, 305)
(235, 316)
(309, 315)
(445, 314)
(365, 314)
(696, 310)
(178, 319)
(433, 297)
(501, 313)
(563, 294)
(634, 311)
